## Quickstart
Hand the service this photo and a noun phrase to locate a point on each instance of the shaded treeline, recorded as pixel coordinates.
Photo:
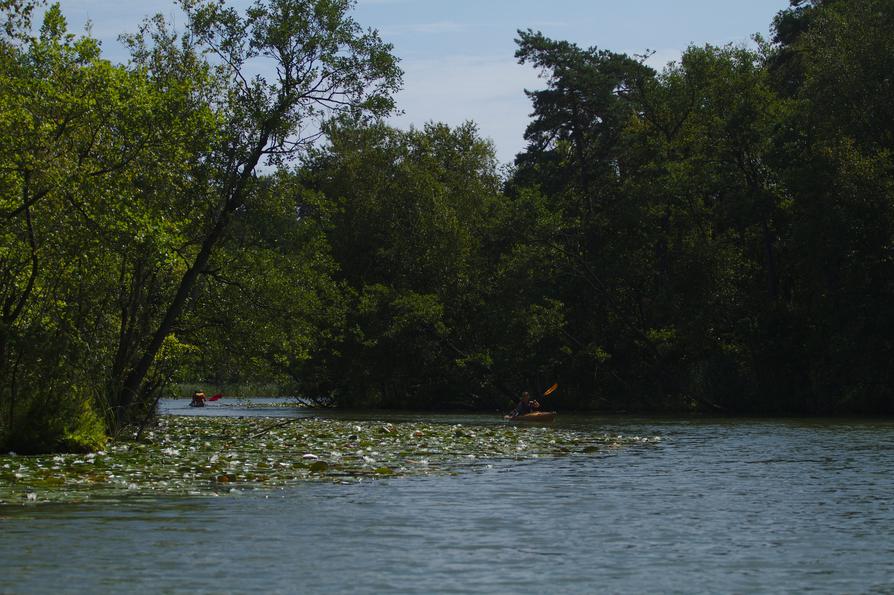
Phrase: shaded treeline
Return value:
(715, 236)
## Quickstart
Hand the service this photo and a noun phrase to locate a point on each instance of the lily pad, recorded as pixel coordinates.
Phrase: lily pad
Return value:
(217, 454)
(319, 466)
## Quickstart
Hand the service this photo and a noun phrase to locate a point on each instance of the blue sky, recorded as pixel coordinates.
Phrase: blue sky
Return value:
(457, 55)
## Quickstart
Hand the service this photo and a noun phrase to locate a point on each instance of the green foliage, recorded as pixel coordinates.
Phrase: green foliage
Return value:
(15, 17)
(73, 126)
(727, 219)
(57, 422)
(124, 185)
(407, 238)
(323, 65)
(270, 303)
(714, 236)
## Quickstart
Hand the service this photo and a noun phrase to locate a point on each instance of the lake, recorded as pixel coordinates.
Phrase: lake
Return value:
(716, 506)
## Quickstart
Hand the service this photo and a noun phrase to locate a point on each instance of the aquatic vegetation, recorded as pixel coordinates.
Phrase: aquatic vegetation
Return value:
(202, 456)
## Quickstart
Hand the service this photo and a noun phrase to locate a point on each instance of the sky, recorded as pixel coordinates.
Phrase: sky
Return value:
(458, 55)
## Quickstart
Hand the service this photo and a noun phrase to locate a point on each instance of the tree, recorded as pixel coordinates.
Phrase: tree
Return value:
(319, 64)
(580, 157)
(122, 183)
(836, 158)
(72, 125)
(16, 18)
(269, 302)
(408, 217)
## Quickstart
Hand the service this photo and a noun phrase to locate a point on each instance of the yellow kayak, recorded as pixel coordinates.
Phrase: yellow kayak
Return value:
(542, 416)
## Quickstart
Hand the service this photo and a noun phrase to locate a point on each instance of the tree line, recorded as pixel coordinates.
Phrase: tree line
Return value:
(230, 206)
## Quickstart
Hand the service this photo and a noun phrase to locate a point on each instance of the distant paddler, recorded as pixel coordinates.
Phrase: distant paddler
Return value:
(198, 399)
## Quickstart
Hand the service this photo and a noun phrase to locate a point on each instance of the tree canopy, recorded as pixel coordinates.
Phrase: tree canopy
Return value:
(230, 207)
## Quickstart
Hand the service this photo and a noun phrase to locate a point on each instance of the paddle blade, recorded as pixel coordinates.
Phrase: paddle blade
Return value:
(216, 397)
(551, 389)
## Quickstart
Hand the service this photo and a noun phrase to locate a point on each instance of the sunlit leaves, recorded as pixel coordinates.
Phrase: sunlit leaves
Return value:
(120, 183)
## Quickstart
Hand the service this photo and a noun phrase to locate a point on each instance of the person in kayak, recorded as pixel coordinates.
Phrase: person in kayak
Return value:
(525, 405)
(198, 399)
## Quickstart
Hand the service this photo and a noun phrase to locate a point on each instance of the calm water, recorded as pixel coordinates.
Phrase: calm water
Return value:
(718, 506)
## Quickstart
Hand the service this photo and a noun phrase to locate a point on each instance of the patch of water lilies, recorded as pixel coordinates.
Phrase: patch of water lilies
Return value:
(204, 456)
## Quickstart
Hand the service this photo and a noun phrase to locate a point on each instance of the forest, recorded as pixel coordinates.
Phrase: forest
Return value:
(231, 206)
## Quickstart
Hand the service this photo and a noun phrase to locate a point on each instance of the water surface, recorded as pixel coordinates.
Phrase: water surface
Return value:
(717, 506)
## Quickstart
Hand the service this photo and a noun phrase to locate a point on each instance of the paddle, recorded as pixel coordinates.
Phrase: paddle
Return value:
(548, 392)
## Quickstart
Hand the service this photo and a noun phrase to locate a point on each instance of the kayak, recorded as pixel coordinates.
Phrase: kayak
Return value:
(542, 416)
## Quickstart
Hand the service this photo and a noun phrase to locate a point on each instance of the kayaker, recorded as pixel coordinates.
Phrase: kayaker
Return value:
(525, 405)
(198, 399)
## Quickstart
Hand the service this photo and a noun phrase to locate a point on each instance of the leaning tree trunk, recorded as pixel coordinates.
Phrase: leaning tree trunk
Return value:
(131, 387)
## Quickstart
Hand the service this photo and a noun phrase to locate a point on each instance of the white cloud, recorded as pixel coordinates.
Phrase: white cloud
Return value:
(434, 28)
(487, 90)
